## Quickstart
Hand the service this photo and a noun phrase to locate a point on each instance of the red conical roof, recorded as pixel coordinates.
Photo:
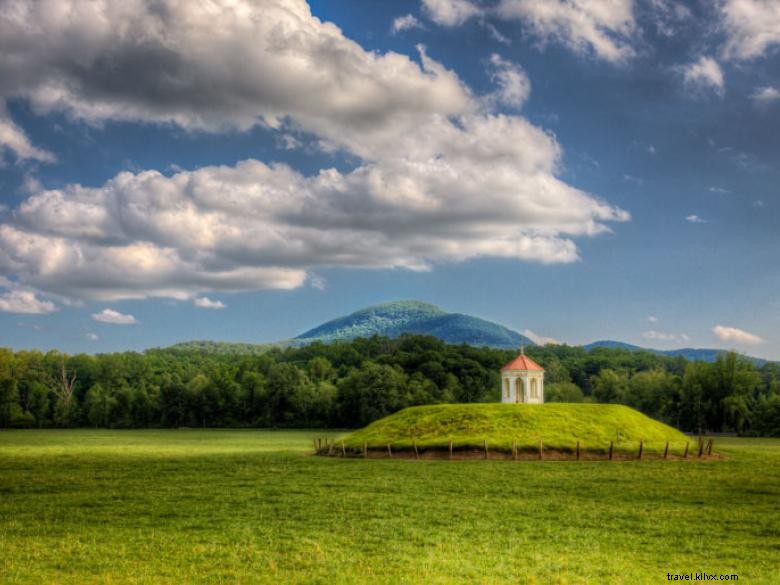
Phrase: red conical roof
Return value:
(523, 362)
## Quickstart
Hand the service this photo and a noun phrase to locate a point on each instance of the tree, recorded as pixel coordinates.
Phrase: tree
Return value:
(98, 405)
(609, 386)
(654, 392)
(563, 392)
(369, 393)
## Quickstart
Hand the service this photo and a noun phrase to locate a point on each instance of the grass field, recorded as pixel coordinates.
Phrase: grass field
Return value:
(193, 506)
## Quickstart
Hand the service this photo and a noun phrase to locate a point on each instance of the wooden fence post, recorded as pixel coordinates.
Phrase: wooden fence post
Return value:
(486, 449)
(701, 446)
(450, 449)
(316, 451)
(541, 450)
(611, 447)
(641, 448)
(709, 447)
(578, 450)
(319, 442)
(416, 454)
(389, 451)
(343, 450)
(666, 450)
(685, 453)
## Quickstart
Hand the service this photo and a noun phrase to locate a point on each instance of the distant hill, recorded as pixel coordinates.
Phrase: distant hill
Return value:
(415, 317)
(689, 353)
(399, 317)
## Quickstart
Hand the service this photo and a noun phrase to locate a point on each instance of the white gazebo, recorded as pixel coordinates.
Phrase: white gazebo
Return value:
(522, 380)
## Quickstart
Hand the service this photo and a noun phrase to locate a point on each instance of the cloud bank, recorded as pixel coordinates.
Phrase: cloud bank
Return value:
(441, 175)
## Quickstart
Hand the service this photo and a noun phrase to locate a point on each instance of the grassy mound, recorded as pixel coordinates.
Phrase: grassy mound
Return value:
(559, 426)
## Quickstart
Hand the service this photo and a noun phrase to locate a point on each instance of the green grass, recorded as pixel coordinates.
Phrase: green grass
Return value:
(195, 506)
(559, 426)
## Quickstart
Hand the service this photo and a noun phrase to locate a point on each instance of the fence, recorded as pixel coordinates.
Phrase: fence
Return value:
(337, 448)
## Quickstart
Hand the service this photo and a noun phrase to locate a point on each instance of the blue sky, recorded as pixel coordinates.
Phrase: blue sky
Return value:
(580, 170)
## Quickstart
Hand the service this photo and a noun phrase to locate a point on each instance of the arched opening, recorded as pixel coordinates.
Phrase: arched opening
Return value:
(506, 387)
(534, 391)
(519, 390)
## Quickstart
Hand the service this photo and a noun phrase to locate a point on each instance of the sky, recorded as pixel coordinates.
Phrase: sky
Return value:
(244, 170)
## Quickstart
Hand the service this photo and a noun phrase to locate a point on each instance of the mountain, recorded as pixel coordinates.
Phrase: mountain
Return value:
(396, 318)
(399, 317)
(689, 353)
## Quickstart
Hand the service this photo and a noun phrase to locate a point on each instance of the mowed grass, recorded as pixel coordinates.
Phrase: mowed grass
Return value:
(206, 506)
(558, 426)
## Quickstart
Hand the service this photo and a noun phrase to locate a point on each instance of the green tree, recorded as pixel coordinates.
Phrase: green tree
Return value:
(610, 386)
(563, 392)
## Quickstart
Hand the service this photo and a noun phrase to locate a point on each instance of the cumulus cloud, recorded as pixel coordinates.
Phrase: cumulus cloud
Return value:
(664, 336)
(704, 75)
(207, 303)
(451, 12)
(652, 318)
(92, 336)
(695, 219)
(440, 176)
(26, 302)
(406, 22)
(734, 335)
(540, 339)
(513, 85)
(752, 27)
(603, 28)
(114, 317)
(763, 96)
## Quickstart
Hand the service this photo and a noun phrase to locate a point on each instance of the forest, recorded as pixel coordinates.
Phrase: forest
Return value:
(349, 384)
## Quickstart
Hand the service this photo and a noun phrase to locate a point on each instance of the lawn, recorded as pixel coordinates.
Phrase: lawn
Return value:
(191, 506)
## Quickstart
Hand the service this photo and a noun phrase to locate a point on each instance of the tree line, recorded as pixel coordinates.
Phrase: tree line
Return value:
(349, 384)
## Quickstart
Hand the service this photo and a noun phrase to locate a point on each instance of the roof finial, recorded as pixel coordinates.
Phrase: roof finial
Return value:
(522, 350)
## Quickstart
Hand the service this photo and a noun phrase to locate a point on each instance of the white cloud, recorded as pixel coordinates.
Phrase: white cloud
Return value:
(24, 301)
(695, 219)
(652, 319)
(514, 87)
(703, 76)
(718, 190)
(13, 139)
(440, 177)
(663, 336)
(406, 22)
(752, 27)
(540, 339)
(763, 96)
(602, 27)
(114, 317)
(668, 16)
(207, 303)
(734, 335)
(92, 336)
(758, 203)
(451, 12)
